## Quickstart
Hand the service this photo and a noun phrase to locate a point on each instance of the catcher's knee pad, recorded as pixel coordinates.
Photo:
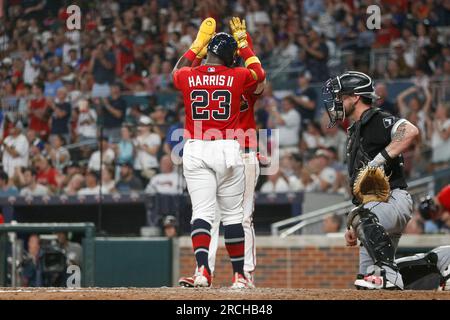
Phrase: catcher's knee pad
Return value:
(420, 272)
(373, 237)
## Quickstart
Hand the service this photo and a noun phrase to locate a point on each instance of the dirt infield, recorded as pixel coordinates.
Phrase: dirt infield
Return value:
(213, 294)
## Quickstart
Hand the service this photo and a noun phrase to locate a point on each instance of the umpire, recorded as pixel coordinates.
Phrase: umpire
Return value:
(376, 138)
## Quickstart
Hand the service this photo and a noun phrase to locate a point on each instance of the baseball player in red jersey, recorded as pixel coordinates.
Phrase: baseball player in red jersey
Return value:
(212, 165)
(247, 137)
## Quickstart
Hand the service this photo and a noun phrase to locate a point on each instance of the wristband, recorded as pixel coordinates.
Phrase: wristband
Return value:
(251, 60)
(386, 155)
(190, 55)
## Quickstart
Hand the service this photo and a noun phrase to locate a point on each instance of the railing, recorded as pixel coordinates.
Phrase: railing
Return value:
(284, 228)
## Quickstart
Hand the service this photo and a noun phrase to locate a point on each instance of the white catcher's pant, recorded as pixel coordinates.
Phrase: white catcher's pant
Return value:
(251, 169)
(214, 173)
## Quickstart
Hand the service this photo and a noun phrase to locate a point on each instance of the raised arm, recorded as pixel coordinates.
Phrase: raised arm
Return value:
(401, 100)
(238, 29)
(198, 47)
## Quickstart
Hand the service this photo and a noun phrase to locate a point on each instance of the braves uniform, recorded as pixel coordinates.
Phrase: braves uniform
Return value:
(212, 164)
(248, 142)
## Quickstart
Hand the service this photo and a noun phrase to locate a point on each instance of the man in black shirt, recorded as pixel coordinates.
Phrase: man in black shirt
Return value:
(305, 97)
(113, 113)
(102, 65)
(376, 138)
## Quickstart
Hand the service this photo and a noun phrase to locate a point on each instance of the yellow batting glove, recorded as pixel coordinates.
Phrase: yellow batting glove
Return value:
(238, 29)
(202, 52)
(204, 35)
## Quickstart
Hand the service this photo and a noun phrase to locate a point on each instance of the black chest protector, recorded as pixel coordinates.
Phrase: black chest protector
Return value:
(360, 150)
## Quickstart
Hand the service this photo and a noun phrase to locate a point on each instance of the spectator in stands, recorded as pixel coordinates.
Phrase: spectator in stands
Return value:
(31, 186)
(52, 84)
(113, 113)
(86, 122)
(7, 188)
(108, 183)
(15, 150)
(37, 111)
(128, 181)
(92, 187)
(383, 102)
(276, 183)
(177, 131)
(32, 265)
(170, 226)
(125, 149)
(107, 155)
(101, 66)
(147, 144)
(312, 137)
(60, 116)
(36, 145)
(316, 54)
(59, 155)
(168, 181)
(334, 137)
(327, 175)
(289, 123)
(332, 223)
(158, 117)
(76, 182)
(399, 56)
(46, 174)
(72, 250)
(306, 98)
(439, 131)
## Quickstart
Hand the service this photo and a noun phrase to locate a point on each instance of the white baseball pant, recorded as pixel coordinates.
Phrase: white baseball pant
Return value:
(214, 173)
(251, 171)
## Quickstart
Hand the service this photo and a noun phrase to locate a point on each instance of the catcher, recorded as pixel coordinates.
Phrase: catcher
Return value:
(375, 142)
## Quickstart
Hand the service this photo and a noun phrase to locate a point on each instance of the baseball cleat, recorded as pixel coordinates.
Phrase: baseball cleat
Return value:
(187, 282)
(239, 281)
(374, 282)
(250, 280)
(202, 278)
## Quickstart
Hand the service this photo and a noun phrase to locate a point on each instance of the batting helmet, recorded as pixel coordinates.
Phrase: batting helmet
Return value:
(224, 46)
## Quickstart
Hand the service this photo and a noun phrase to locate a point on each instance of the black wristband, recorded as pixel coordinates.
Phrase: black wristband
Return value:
(386, 155)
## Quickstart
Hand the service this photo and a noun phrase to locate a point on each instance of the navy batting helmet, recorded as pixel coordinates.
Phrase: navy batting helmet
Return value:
(224, 46)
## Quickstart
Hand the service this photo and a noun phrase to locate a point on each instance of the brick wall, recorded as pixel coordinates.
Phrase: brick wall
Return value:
(284, 263)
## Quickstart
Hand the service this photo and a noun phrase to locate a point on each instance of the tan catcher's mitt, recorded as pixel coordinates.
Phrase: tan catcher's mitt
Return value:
(371, 184)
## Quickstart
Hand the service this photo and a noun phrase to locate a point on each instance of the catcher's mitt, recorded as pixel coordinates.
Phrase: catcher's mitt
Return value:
(371, 184)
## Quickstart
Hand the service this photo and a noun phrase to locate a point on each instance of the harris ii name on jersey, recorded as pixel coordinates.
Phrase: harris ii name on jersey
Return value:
(210, 80)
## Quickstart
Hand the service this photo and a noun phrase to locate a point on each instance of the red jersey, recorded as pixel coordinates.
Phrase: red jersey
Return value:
(247, 120)
(40, 126)
(47, 177)
(212, 98)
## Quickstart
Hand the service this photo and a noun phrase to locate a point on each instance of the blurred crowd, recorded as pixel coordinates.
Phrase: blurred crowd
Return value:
(67, 128)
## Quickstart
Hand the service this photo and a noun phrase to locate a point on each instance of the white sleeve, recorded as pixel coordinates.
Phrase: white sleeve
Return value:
(291, 119)
(22, 147)
(396, 125)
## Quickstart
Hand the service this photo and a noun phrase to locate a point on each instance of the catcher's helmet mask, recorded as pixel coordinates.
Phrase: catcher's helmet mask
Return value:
(224, 46)
(349, 83)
